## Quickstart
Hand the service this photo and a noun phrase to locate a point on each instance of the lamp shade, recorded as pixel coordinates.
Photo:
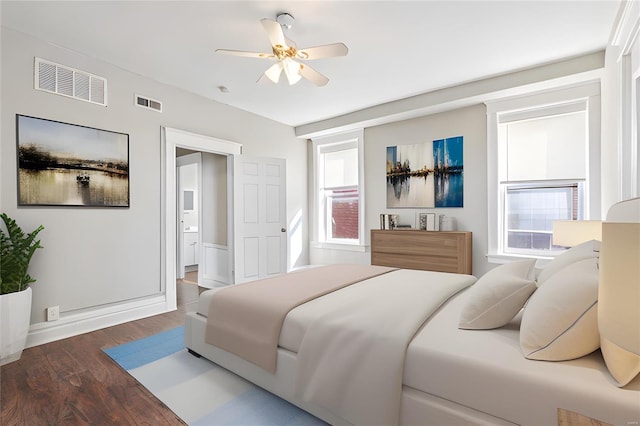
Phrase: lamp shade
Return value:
(274, 71)
(619, 299)
(570, 233)
(291, 70)
(619, 291)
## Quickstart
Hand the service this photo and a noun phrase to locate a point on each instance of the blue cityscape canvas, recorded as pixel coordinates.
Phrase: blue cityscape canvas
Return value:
(448, 172)
(426, 175)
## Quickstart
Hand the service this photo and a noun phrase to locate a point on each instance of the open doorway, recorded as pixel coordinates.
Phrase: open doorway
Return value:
(175, 140)
(247, 239)
(203, 209)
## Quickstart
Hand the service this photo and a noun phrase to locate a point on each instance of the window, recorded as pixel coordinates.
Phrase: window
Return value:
(543, 166)
(531, 210)
(338, 217)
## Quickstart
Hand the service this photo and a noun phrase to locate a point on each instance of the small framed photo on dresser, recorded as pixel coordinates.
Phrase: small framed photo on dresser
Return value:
(427, 221)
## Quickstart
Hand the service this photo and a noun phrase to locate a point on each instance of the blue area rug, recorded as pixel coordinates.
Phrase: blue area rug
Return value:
(199, 391)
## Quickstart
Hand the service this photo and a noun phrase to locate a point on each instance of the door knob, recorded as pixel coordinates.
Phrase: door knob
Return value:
(283, 230)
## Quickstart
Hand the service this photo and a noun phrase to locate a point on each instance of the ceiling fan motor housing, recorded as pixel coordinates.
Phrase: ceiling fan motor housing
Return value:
(285, 19)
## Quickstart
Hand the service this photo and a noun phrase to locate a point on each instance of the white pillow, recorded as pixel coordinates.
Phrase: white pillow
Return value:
(498, 296)
(560, 322)
(586, 250)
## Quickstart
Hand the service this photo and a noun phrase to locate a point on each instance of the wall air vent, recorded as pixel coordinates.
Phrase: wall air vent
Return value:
(148, 103)
(62, 80)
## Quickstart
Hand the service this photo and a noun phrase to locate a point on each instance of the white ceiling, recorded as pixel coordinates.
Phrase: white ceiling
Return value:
(396, 48)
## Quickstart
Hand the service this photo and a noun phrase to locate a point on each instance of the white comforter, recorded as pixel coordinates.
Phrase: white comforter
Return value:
(351, 358)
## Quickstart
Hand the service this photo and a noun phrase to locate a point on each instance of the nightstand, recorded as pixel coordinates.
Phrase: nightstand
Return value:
(570, 418)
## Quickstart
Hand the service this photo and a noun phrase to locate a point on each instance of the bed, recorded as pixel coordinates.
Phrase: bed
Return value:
(457, 363)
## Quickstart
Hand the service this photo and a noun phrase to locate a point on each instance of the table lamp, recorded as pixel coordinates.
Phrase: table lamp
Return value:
(570, 233)
(619, 299)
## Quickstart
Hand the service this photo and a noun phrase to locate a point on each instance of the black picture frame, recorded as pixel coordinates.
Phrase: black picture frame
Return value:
(64, 164)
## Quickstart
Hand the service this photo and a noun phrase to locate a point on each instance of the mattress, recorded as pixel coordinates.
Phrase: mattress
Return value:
(485, 371)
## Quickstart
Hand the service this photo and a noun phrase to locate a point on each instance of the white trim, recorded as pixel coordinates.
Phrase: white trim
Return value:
(593, 190)
(580, 69)
(544, 98)
(352, 137)
(545, 111)
(625, 36)
(626, 125)
(634, 156)
(507, 258)
(627, 28)
(78, 323)
(496, 169)
(346, 247)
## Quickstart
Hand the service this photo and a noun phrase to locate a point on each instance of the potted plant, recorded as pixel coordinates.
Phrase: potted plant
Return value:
(16, 250)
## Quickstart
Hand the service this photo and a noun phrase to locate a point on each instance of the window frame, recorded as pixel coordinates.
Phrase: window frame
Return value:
(319, 239)
(554, 102)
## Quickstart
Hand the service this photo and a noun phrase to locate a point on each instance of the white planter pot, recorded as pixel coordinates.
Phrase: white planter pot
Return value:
(15, 315)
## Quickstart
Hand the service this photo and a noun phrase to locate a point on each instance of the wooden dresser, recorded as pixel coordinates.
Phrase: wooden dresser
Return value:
(427, 250)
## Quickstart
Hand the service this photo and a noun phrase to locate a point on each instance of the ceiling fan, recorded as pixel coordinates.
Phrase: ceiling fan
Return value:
(287, 55)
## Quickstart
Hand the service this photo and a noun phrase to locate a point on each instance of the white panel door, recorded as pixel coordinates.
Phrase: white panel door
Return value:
(260, 218)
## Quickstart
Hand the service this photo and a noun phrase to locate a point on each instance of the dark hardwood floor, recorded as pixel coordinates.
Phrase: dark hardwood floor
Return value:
(73, 382)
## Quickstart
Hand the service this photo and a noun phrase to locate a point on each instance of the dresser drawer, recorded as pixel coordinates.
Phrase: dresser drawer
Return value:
(427, 250)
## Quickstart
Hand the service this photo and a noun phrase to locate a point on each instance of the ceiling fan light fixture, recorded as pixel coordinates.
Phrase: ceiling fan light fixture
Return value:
(291, 70)
(274, 71)
(284, 51)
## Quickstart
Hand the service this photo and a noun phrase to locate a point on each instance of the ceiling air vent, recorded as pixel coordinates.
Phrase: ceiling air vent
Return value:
(55, 78)
(148, 103)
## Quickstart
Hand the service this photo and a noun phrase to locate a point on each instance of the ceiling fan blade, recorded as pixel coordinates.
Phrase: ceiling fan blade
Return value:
(263, 79)
(274, 32)
(290, 42)
(244, 53)
(326, 51)
(313, 76)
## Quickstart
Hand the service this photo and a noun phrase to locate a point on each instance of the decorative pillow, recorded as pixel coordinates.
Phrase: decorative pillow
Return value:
(560, 322)
(498, 296)
(586, 250)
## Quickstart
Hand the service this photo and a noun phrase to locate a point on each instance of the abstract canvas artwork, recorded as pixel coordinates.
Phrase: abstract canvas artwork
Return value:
(426, 175)
(62, 164)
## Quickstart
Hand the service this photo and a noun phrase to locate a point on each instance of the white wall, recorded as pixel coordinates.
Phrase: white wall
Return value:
(471, 124)
(214, 199)
(620, 141)
(452, 111)
(616, 134)
(96, 258)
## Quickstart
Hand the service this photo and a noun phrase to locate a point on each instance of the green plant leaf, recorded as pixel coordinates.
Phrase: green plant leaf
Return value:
(16, 251)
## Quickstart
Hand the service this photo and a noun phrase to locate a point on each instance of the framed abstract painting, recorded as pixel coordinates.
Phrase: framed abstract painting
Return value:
(62, 164)
(426, 175)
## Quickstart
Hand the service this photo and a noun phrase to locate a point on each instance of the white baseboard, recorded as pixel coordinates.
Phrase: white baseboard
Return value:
(79, 323)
